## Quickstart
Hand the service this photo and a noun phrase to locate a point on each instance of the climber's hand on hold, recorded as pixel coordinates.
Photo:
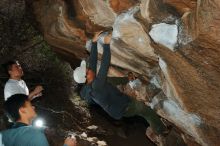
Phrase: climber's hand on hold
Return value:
(96, 36)
(107, 39)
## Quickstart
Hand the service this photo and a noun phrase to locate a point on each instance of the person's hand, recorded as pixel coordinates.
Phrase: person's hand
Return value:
(70, 141)
(38, 89)
(107, 39)
(96, 36)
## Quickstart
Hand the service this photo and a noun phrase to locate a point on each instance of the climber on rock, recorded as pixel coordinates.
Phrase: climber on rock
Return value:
(19, 108)
(15, 85)
(97, 90)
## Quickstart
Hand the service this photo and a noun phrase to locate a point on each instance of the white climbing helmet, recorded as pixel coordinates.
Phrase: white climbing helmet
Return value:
(88, 45)
(79, 73)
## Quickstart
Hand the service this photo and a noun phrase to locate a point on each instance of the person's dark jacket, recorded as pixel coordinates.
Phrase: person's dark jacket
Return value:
(100, 91)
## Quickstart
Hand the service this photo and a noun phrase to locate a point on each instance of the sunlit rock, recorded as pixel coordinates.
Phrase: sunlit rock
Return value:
(131, 41)
(165, 34)
(58, 30)
(185, 85)
(120, 6)
(153, 10)
(191, 123)
(182, 6)
(127, 28)
(167, 86)
(99, 12)
(143, 31)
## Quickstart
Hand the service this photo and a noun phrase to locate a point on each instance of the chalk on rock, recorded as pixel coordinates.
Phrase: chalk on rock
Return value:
(92, 127)
(92, 139)
(84, 135)
(101, 143)
(165, 34)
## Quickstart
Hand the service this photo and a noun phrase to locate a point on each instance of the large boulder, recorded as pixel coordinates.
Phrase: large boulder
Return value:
(173, 44)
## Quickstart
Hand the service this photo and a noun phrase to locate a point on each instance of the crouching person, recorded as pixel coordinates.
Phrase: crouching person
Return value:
(21, 112)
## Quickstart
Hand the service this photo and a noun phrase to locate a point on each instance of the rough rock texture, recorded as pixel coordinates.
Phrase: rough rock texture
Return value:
(188, 76)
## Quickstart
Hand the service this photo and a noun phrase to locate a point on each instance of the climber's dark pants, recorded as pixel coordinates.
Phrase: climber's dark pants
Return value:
(139, 108)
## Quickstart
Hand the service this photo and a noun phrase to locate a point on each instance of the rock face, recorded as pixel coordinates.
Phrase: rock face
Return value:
(174, 44)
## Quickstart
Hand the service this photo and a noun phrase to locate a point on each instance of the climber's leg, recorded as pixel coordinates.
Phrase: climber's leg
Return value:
(139, 108)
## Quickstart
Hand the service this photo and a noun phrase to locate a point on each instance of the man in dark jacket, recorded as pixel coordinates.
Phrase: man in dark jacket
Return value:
(115, 103)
